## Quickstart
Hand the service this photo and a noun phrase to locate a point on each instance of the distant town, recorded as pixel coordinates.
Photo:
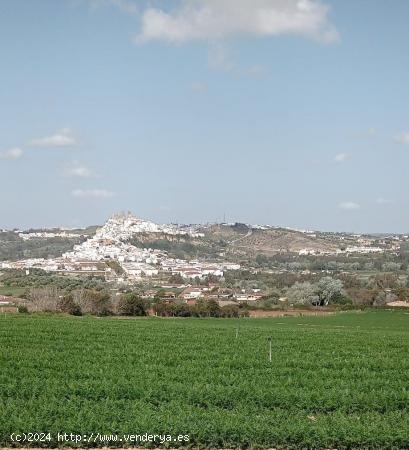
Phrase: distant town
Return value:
(110, 244)
(227, 262)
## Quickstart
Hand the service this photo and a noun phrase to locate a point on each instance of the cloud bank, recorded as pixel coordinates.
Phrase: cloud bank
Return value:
(220, 19)
(349, 206)
(77, 170)
(62, 138)
(92, 193)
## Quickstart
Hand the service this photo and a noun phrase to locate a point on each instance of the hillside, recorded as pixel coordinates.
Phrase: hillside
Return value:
(40, 243)
(242, 239)
(235, 241)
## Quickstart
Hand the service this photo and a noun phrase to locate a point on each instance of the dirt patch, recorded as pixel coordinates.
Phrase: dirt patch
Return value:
(398, 304)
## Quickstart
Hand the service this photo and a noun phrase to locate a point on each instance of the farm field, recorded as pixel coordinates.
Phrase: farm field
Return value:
(12, 291)
(339, 381)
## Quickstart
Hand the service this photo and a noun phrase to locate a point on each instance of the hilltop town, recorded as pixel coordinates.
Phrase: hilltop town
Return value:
(224, 261)
(109, 254)
(124, 250)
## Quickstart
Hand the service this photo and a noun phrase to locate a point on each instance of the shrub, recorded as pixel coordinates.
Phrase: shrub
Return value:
(68, 305)
(96, 302)
(230, 311)
(22, 309)
(131, 305)
(45, 299)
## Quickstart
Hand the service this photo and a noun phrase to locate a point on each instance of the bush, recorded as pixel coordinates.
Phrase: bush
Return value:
(203, 308)
(96, 302)
(131, 305)
(68, 305)
(230, 311)
(22, 309)
(45, 299)
(180, 310)
(342, 300)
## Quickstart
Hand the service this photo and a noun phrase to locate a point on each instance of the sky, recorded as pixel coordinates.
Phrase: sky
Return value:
(283, 112)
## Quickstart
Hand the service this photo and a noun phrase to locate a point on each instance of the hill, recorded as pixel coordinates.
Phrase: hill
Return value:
(250, 241)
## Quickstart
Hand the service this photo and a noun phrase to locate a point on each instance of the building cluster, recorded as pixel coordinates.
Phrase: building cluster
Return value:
(190, 294)
(109, 254)
(124, 226)
(348, 250)
(26, 236)
(196, 268)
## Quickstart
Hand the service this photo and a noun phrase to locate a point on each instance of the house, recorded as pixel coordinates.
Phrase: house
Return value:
(225, 293)
(191, 292)
(248, 296)
(149, 294)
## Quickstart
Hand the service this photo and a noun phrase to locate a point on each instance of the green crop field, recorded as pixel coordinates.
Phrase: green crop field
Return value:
(339, 381)
(12, 291)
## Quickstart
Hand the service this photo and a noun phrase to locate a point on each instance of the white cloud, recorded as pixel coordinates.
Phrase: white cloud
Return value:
(62, 138)
(341, 157)
(349, 206)
(92, 193)
(403, 138)
(12, 153)
(219, 19)
(77, 170)
(383, 201)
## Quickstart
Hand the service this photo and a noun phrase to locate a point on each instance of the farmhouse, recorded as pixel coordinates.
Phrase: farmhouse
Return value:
(191, 293)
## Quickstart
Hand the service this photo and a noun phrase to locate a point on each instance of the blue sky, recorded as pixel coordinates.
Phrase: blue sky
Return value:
(287, 112)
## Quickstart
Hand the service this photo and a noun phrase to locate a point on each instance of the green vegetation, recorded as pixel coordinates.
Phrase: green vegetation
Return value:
(131, 305)
(16, 282)
(13, 291)
(13, 247)
(339, 381)
(183, 247)
(201, 308)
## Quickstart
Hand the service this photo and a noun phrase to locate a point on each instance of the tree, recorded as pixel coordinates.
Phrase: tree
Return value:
(67, 305)
(213, 308)
(362, 296)
(45, 299)
(96, 302)
(131, 305)
(384, 281)
(206, 308)
(328, 289)
(176, 279)
(391, 266)
(302, 294)
(161, 309)
(230, 311)
(180, 310)
(403, 294)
